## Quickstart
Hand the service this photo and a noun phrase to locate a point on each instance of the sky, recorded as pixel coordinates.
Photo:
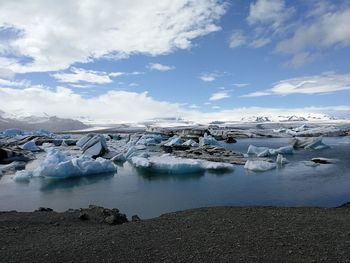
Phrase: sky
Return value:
(128, 61)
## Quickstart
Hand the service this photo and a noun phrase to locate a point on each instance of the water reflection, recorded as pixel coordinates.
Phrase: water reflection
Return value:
(49, 184)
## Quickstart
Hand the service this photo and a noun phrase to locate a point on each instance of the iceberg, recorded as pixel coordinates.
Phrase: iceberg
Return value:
(22, 176)
(30, 146)
(175, 165)
(58, 164)
(93, 145)
(150, 139)
(259, 165)
(208, 140)
(308, 143)
(13, 132)
(175, 140)
(281, 160)
(191, 143)
(266, 152)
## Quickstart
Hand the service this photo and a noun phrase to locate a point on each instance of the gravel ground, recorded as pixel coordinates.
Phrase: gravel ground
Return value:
(219, 234)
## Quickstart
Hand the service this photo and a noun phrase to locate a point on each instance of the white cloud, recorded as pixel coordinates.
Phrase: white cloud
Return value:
(114, 106)
(133, 84)
(240, 85)
(208, 77)
(317, 84)
(83, 75)
(271, 12)
(260, 42)
(14, 83)
(330, 29)
(53, 35)
(237, 39)
(160, 67)
(256, 94)
(219, 95)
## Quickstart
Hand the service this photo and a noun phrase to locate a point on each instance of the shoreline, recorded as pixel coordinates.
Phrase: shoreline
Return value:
(252, 233)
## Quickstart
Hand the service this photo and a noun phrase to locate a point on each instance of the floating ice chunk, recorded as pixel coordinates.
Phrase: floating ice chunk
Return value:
(301, 128)
(259, 165)
(208, 140)
(22, 176)
(13, 132)
(191, 142)
(150, 139)
(175, 165)
(58, 164)
(30, 146)
(131, 152)
(64, 144)
(13, 166)
(43, 132)
(311, 163)
(266, 152)
(279, 130)
(83, 140)
(308, 143)
(254, 150)
(119, 158)
(140, 162)
(281, 160)
(93, 145)
(175, 140)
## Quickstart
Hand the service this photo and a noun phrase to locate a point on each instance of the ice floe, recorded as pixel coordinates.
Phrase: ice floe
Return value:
(58, 164)
(191, 142)
(175, 165)
(30, 146)
(22, 176)
(281, 160)
(259, 165)
(208, 140)
(308, 143)
(175, 140)
(266, 152)
(93, 145)
(150, 139)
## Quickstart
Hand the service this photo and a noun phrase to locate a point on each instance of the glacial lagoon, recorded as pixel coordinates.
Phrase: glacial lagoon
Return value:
(148, 195)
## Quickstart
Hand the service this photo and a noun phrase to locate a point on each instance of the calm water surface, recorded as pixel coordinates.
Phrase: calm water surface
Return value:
(148, 195)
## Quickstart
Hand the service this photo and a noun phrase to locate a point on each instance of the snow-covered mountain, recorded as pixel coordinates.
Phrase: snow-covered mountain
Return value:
(288, 118)
(44, 121)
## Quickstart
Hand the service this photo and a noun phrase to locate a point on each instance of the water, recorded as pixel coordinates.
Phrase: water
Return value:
(150, 195)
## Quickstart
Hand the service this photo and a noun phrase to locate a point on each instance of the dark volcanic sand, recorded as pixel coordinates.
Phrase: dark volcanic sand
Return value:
(222, 234)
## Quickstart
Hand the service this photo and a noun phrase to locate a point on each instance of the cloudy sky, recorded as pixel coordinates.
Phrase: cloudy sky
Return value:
(123, 60)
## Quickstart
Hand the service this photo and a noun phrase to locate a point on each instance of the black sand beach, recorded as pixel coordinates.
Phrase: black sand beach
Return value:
(218, 234)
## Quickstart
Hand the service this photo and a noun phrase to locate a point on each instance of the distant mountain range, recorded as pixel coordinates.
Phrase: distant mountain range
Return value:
(30, 123)
(310, 117)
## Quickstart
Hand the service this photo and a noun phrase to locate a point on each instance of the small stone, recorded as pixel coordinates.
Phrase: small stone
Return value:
(135, 218)
(44, 209)
(83, 216)
(111, 220)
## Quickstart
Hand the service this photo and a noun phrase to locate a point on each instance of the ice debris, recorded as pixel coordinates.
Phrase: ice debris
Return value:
(259, 165)
(30, 146)
(93, 145)
(175, 165)
(150, 139)
(191, 142)
(281, 160)
(22, 176)
(208, 140)
(308, 143)
(175, 140)
(266, 152)
(58, 164)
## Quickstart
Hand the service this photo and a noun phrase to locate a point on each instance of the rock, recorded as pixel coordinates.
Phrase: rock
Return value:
(167, 149)
(84, 216)
(116, 219)
(44, 209)
(322, 160)
(230, 140)
(135, 218)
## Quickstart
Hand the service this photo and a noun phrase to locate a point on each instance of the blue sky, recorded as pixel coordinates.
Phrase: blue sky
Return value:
(122, 61)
